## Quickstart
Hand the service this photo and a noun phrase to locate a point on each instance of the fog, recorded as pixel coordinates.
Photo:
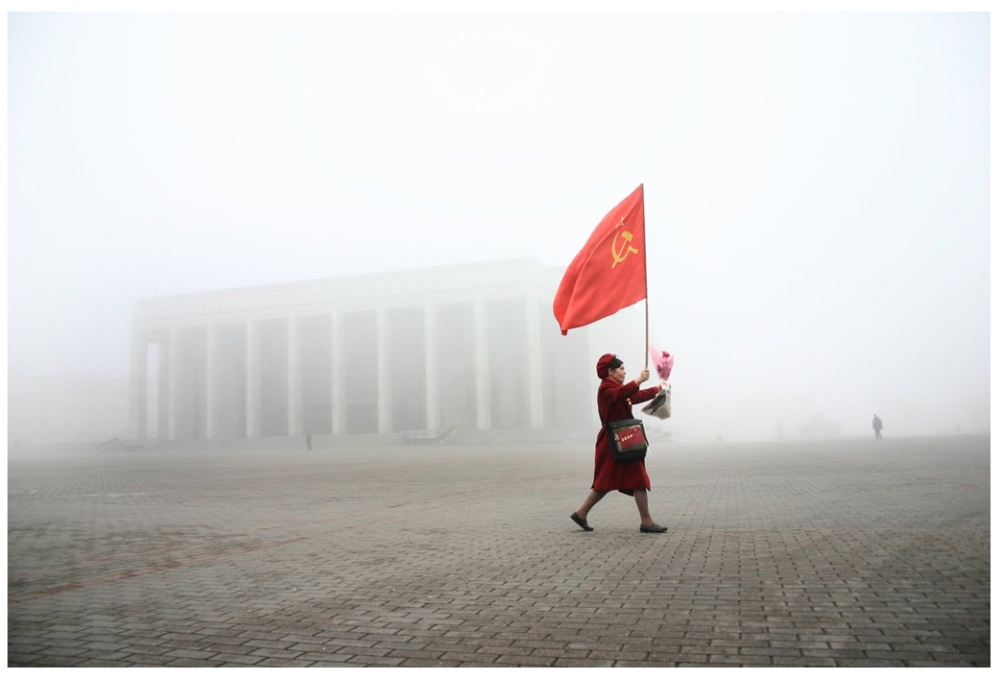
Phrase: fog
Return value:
(816, 186)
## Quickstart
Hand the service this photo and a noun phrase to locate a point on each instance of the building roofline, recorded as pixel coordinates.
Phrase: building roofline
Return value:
(389, 288)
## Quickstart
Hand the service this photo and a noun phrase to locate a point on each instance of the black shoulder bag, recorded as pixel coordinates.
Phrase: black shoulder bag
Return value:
(628, 440)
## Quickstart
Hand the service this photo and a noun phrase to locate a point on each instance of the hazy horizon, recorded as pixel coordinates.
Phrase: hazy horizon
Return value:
(817, 185)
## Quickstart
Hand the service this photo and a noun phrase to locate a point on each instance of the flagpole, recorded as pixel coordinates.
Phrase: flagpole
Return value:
(645, 276)
(645, 349)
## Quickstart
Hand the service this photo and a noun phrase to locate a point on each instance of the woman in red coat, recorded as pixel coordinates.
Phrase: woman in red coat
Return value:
(614, 402)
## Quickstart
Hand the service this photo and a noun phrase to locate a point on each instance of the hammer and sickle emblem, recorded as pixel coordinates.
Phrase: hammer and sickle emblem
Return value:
(626, 249)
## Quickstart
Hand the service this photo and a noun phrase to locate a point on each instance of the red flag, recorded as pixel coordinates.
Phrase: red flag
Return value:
(610, 272)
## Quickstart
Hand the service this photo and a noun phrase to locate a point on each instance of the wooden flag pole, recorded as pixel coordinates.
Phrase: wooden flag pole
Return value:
(645, 276)
(645, 349)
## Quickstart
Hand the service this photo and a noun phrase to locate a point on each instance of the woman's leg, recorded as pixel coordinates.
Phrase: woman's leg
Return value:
(592, 498)
(642, 502)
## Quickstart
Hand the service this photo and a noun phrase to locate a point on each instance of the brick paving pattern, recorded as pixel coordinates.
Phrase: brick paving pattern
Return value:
(844, 553)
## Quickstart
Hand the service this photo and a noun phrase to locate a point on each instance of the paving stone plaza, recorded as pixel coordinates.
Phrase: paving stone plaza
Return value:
(842, 553)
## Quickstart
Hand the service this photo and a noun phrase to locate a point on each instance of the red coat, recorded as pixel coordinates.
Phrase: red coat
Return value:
(614, 402)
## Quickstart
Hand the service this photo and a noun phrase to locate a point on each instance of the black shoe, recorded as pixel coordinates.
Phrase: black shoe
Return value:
(653, 529)
(581, 521)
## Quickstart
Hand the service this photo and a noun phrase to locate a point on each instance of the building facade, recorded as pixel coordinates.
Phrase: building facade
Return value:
(470, 347)
(50, 408)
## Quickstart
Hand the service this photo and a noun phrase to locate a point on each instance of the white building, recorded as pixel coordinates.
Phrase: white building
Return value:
(469, 347)
(65, 408)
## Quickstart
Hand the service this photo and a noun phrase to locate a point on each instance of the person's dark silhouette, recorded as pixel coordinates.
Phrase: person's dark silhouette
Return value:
(877, 426)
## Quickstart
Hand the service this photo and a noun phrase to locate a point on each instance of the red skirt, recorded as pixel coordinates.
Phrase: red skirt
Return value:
(612, 476)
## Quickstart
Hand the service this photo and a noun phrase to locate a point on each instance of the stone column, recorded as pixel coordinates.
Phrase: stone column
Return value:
(481, 337)
(211, 377)
(173, 367)
(253, 380)
(137, 387)
(338, 402)
(163, 398)
(533, 338)
(294, 377)
(382, 352)
(432, 370)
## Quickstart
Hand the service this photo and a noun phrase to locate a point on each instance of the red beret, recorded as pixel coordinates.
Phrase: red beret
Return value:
(605, 362)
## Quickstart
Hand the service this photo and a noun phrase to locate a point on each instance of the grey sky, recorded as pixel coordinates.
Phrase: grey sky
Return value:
(817, 185)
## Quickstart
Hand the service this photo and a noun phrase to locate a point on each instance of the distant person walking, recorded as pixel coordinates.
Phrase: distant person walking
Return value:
(614, 402)
(309, 442)
(877, 426)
